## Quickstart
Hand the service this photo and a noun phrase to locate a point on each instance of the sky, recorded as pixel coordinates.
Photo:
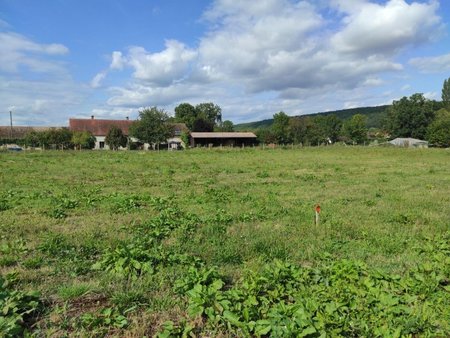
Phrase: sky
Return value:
(111, 58)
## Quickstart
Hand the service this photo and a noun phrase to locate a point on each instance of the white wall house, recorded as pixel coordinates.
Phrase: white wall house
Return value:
(99, 128)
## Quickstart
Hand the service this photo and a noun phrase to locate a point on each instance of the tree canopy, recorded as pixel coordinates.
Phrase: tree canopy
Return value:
(355, 129)
(152, 126)
(115, 138)
(186, 113)
(280, 127)
(83, 140)
(446, 93)
(202, 117)
(438, 132)
(410, 117)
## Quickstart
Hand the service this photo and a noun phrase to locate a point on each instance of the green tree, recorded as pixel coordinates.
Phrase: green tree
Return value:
(305, 130)
(83, 140)
(202, 125)
(438, 132)
(32, 139)
(410, 117)
(355, 129)
(332, 126)
(280, 128)
(152, 126)
(265, 135)
(210, 112)
(186, 113)
(115, 138)
(446, 93)
(57, 138)
(227, 126)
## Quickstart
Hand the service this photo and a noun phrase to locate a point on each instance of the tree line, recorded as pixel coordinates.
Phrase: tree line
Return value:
(414, 116)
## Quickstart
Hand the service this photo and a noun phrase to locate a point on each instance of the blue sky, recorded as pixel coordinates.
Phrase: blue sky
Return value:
(77, 58)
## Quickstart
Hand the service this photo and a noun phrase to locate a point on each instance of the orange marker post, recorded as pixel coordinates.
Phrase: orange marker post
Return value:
(317, 218)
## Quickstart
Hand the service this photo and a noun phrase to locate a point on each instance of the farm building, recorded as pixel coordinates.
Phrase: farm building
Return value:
(409, 142)
(99, 128)
(19, 132)
(230, 139)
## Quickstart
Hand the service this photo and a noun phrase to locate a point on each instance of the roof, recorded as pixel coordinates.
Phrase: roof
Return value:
(98, 127)
(19, 132)
(407, 141)
(223, 135)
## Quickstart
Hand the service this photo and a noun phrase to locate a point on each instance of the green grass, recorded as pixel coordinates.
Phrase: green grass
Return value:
(77, 226)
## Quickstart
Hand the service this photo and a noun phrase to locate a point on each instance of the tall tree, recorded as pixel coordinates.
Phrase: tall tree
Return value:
(210, 112)
(446, 93)
(152, 126)
(115, 138)
(355, 129)
(332, 127)
(438, 132)
(186, 113)
(280, 127)
(410, 117)
(227, 126)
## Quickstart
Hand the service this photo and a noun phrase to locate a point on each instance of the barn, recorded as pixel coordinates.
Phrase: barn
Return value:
(226, 139)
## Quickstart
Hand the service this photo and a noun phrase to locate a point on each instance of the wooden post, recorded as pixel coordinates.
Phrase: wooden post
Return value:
(10, 120)
(317, 216)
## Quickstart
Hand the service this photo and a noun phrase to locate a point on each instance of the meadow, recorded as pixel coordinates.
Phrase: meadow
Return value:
(222, 242)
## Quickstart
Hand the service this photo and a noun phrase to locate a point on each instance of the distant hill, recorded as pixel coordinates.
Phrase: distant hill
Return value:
(375, 116)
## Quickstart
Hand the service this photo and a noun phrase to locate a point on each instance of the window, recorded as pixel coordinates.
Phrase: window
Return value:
(102, 145)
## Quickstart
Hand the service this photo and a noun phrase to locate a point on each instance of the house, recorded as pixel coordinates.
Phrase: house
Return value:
(176, 142)
(409, 142)
(99, 128)
(230, 139)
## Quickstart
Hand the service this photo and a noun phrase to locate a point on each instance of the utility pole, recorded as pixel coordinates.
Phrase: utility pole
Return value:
(10, 119)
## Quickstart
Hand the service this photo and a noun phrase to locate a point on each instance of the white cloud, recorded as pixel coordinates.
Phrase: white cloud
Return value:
(283, 53)
(117, 61)
(434, 64)
(35, 82)
(372, 28)
(97, 80)
(163, 68)
(40, 102)
(17, 50)
(406, 87)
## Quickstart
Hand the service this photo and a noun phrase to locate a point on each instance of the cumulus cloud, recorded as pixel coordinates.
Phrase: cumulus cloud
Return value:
(161, 68)
(287, 51)
(371, 28)
(117, 61)
(432, 64)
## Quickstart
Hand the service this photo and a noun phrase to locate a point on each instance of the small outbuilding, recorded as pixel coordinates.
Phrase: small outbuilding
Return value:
(226, 139)
(409, 142)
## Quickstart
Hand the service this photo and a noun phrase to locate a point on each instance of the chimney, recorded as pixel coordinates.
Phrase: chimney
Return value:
(92, 117)
(127, 118)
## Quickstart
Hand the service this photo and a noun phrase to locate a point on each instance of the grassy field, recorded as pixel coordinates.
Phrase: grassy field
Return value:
(223, 243)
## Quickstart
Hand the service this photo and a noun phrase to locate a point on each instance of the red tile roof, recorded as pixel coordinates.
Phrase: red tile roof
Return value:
(98, 127)
(21, 131)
